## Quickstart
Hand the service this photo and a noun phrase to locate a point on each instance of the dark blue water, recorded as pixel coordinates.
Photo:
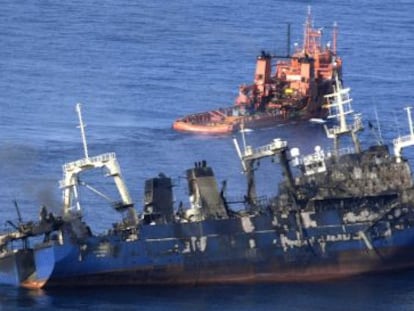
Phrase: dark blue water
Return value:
(380, 293)
(136, 66)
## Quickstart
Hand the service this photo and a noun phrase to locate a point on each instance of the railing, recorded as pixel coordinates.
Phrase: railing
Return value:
(87, 161)
(323, 155)
(267, 149)
(403, 139)
(260, 201)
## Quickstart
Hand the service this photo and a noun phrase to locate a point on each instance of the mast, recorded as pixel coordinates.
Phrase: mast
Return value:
(288, 40)
(308, 29)
(339, 105)
(82, 128)
(312, 37)
(334, 37)
(71, 172)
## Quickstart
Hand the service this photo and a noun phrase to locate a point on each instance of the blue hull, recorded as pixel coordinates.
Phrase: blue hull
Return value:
(28, 268)
(228, 251)
(16, 267)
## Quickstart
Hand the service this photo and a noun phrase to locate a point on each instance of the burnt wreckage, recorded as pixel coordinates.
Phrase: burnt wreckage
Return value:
(336, 214)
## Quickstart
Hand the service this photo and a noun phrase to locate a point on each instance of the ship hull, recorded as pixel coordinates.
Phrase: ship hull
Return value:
(16, 266)
(229, 125)
(206, 128)
(225, 254)
(27, 267)
(241, 274)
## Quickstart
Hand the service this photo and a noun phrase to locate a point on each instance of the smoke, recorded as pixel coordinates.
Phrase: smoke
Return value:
(26, 177)
(16, 159)
(16, 167)
(46, 195)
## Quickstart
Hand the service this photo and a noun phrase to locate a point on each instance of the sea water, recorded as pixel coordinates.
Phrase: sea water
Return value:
(136, 66)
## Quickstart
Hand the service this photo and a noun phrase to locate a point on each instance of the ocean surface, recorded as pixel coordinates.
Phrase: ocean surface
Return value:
(135, 66)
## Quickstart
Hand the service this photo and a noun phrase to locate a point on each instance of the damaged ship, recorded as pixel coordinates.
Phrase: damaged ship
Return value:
(337, 213)
(293, 92)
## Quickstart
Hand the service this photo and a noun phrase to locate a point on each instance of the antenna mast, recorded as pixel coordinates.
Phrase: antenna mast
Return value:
(82, 127)
(339, 105)
(308, 27)
(288, 40)
(378, 127)
(334, 37)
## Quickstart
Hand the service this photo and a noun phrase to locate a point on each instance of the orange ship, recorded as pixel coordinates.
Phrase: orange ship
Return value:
(295, 91)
